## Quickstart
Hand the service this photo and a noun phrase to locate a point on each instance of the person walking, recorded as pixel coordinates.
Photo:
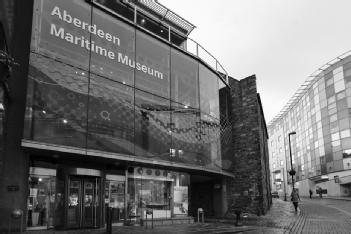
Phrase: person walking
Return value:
(320, 193)
(311, 192)
(295, 198)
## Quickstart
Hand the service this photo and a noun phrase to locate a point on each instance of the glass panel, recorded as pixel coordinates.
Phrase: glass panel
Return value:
(58, 103)
(41, 201)
(119, 7)
(114, 48)
(209, 98)
(111, 125)
(185, 134)
(73, 209)
(339, 86)
(88, 203)
(152, 65)
(210, 140)
(184, 77)
(61, 31)
(152, 126)
(114, 192)
(152, 26)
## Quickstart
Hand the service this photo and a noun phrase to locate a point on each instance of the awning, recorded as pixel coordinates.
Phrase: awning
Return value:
(319, 179)
(345, 180)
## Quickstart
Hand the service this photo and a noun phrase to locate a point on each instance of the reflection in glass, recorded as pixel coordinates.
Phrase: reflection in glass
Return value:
(186, 135)
(118, 38)
(111, 109)
(41, 201)
(152, 65)
(152, 125)
(58, 102)
(209, 98)
(184, 79)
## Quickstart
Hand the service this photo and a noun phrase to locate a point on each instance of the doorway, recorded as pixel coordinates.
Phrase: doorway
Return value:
(83, 203)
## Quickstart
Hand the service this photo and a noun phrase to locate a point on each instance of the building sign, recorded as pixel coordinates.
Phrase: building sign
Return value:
(74, 31)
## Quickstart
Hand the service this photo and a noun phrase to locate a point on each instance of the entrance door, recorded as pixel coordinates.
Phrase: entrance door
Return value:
(83, 208)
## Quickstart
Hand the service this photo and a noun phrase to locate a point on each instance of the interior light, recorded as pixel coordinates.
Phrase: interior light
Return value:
(161, 31)
(142, 21)
(186, 107)
(44, 112)
(64, 121)
(124, 82)
(40, 179)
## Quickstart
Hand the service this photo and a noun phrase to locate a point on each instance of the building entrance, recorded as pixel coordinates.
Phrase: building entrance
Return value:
(83, 203)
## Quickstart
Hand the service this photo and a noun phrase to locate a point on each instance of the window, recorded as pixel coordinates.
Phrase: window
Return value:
(335, 136)
(345, 133)
(339, 86)
(346, 153)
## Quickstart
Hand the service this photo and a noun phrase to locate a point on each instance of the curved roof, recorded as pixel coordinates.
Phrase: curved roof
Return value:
(311, 79)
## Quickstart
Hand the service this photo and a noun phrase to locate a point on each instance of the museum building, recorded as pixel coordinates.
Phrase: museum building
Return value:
(111, 104)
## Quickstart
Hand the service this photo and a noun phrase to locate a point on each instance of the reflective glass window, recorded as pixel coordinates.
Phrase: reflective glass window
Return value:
(339, 86)
(152, 126)
(186, 134)
(345, 133)
(346, 143)
(184, 78)
(152, 65)
(62, 36)
(113, 44)
(111, 109)
(209, 99)
(58, 103)
(338, 74)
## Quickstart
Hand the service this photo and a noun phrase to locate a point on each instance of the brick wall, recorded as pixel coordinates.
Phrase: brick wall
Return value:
(250, 189)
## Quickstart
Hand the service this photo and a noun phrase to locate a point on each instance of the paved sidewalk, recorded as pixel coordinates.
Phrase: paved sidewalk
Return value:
(281, 218)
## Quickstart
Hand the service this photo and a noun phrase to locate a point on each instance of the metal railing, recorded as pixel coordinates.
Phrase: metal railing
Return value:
(189, 45)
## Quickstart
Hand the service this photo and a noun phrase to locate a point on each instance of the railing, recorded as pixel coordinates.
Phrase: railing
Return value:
(189, 45)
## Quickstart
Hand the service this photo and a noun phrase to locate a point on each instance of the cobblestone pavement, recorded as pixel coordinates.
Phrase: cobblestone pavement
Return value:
(324, 216)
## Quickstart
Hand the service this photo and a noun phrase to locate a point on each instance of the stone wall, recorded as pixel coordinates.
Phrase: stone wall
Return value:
(250, 189)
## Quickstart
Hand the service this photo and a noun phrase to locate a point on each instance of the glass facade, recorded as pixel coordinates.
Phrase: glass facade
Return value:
(97, 83)
(321, 119)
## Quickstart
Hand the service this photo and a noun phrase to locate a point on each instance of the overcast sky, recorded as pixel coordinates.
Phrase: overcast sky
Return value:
(281, 41)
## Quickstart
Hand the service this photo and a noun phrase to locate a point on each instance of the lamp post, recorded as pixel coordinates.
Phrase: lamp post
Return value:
(292, 172)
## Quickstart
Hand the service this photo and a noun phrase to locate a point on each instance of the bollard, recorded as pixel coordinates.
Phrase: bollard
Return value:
(201, 212)
(149, 212)
(109, 220)
(16, 214)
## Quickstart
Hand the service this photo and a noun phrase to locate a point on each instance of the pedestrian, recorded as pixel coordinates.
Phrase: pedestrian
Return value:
(320, 192)
(311, 192)
(295, 198)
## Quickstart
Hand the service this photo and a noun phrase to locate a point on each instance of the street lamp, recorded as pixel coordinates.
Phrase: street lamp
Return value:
(292, 172)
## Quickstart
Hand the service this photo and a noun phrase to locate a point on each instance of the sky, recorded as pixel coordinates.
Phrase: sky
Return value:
(282, 42)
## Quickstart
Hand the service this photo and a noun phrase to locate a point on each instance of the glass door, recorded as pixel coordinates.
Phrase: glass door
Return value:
(74, 206)
(83, 202)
